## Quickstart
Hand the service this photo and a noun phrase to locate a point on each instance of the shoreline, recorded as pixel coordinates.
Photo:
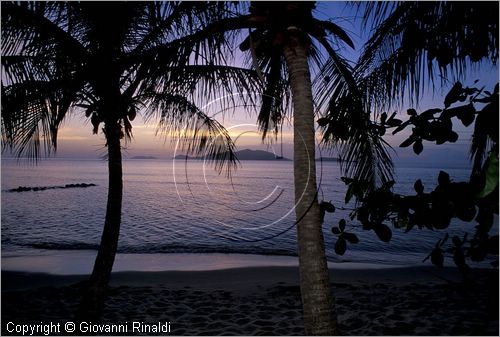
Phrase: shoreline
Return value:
(80, 262)
(240, 278)
(237, 278)
(244, 277)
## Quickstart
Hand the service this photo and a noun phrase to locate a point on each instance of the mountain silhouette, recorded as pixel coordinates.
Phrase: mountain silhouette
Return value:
(245, 154)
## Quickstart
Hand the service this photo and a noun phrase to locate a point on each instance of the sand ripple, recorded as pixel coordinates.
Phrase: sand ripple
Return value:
(363, 308)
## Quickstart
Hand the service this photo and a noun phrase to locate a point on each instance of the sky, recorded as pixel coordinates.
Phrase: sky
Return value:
(77, 141)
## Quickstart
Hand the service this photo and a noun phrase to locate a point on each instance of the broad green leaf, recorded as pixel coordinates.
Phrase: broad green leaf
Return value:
(340, 246)
(393, 122)
(418, 147)
(342, 224)
(383, 232)
(452, 136)
(419, 187)
(383, 118)
(401, 221)
(453, 95)
(443, 178)
(412, 112)
(491, 175)
(401, 127)
(428, 114)
(327, 207)
(351, 237)
(407, 142)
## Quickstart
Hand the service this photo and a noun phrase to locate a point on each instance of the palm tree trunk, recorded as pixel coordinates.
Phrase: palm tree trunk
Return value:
(317, 301)
(93, 299)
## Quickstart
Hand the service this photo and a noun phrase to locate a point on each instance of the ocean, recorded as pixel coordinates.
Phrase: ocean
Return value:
(175, 207)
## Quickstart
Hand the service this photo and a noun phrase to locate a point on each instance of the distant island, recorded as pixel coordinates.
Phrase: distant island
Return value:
(186, 157)
(143, 157)
(246, 154)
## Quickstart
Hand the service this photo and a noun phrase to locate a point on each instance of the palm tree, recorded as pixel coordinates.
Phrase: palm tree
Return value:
(417, 46)
(109, 61)
(413, 43)
(284, 39)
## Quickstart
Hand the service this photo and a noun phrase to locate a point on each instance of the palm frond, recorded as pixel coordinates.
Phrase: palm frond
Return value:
(479, 143)
(216, 86)
(363, 153)
(210, 44)
(161, 20)
(18, 68)
(320, 27)
(419, 41)
(193, 130)
(365, 157)
(152, 47)
(42, 73)
(275, 95)
(375, 12)
(27, 30)
(485, 136)
(274, 98)
(266, 58)
(32, 112)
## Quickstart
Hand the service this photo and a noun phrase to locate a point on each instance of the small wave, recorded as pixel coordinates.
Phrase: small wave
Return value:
(162, 249)
(61, 246)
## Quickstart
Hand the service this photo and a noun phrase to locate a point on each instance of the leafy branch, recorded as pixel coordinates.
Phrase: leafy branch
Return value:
(474, 201)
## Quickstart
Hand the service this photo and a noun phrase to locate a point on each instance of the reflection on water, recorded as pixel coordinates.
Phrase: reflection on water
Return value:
(189, 210)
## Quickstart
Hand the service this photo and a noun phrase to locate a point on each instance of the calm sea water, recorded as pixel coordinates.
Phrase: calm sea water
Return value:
(184, 207)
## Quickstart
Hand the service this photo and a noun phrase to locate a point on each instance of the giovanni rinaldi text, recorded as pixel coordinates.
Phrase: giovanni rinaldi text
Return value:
(86, 327)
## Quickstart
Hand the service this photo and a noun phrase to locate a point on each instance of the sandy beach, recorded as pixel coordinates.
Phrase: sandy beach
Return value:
(264, 301)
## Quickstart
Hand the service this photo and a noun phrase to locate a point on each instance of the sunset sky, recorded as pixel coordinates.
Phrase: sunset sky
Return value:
(76, 138)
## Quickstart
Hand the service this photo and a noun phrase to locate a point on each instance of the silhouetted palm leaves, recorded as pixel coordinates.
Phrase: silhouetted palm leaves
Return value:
(52, 64)
(109, 61)
(414, 42)
(277, 33)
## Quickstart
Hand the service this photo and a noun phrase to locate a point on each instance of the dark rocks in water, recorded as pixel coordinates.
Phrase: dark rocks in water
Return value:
(43, 188)
(78, 185)
(20, 189)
